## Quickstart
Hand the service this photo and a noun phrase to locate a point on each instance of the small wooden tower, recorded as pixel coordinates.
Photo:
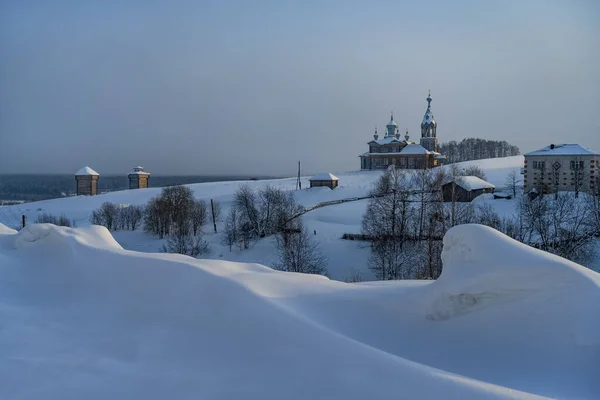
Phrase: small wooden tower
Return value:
(138, 179)
(87, 182)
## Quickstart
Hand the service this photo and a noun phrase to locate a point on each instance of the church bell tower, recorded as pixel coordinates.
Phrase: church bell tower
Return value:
(428, 128)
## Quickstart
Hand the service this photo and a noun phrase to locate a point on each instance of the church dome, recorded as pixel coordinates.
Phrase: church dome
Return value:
(392, 123)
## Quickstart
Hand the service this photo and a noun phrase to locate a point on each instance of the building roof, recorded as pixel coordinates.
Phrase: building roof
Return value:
(86, 171)
(563, 150)
(415, 149)
(387, 140)
(325, 176)
(473, 183)
(428, 118)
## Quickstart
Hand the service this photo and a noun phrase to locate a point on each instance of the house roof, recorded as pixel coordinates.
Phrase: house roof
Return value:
(473, 183)
(86, 171)
(415, 149)
(325, 176)
(563, 149)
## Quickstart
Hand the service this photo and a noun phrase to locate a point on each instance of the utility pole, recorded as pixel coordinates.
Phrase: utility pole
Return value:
(212, 208)
(298, 182)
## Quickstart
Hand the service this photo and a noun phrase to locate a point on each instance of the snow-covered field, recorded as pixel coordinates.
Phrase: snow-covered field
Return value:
(82, 318)
(345, 258)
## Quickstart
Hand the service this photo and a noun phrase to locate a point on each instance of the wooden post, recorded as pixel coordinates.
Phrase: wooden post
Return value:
(23, 221)
(212, 208)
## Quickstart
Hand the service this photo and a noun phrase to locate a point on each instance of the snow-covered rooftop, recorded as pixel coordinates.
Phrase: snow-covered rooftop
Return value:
(565, 149)
(386, 140)
(86, 171)
(473, 183)
(325, 176)
(428, 117)
(415, 149)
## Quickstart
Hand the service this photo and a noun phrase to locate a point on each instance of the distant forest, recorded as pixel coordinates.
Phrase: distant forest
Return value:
(42, 187)
(476, 149)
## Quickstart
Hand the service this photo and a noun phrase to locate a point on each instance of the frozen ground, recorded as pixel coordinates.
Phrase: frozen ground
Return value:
(80, 317)
(330, 223)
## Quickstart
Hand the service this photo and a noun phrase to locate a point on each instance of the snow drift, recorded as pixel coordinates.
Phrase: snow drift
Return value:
(82, 318)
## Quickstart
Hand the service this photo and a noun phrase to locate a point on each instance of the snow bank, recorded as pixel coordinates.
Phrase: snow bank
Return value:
(5, 230)
(49, 234)
(99, 322)
(83, 318)
(477, 274)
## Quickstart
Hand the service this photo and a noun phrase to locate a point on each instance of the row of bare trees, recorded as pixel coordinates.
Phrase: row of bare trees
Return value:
(270, 211)
(476, 149)
(60, 220)
(117, 217)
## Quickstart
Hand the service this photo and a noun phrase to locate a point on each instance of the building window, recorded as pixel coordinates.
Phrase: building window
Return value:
(539, 164)
(577, 165)
(385, 161)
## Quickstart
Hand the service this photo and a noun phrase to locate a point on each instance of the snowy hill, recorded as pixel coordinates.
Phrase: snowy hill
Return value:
(344, 257)
(80, 317)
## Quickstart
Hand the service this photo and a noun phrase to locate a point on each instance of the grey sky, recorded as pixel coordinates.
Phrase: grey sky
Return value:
(187, 87)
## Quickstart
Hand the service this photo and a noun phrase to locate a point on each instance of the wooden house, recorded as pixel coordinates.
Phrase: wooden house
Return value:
(465, 188)
(324, 179)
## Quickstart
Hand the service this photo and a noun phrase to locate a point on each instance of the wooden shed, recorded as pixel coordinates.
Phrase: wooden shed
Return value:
(138, 179)
(86, 182)
(324, 179)
(466, 188)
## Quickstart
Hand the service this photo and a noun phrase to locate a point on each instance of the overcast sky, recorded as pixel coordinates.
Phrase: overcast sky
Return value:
(251, 87)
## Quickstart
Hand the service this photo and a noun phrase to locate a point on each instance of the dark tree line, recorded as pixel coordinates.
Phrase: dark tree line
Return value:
(476, 149)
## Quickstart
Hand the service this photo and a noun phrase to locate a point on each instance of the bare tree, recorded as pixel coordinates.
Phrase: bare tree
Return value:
(512, 182)
(386, 222)
(189, 245)
(474, 170)
(245, 203)
(171, 212)
(299, 253)
(230, 233)
(422, 182)
(198, 216)
(107, 215)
